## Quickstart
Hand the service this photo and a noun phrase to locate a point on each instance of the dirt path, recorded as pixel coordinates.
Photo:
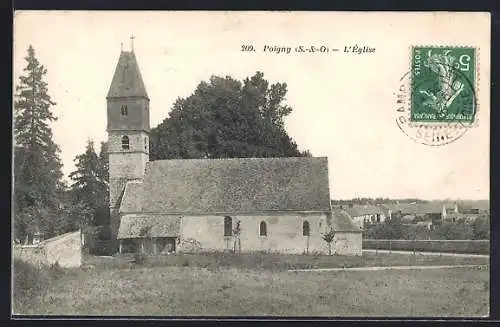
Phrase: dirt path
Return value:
(463, 255)
(388, 268)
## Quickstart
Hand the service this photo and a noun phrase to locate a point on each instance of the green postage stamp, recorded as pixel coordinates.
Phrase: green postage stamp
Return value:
(442, 84)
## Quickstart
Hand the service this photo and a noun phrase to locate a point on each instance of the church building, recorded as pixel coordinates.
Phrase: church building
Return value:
(183, 205)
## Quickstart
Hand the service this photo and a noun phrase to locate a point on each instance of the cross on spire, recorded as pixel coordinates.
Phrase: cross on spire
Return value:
(132, 37)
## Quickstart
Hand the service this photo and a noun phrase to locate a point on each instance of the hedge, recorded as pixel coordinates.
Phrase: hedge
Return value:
(450, 246)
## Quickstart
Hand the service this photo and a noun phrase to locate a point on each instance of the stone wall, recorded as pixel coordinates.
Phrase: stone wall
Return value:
(284, 234)
(64, 249)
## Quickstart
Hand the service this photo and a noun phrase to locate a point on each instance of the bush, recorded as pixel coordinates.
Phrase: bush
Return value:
(140, 258)
(103, 247)
(481, 228)
(455, 231)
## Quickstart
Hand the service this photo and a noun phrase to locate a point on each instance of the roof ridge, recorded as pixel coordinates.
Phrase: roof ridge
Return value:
(237, 158)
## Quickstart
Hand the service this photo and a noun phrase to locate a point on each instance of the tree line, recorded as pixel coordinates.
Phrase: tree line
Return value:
(223, 118)
(395, 229)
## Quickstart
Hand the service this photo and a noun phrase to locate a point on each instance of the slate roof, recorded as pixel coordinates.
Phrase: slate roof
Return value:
(418, 208)
(364, 210)
(127, 80)
(243, 185)
(141, 225)
(342, 222)
(483, 205)
(132, 198)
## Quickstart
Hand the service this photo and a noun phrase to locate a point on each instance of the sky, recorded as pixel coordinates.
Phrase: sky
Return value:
(344, 104)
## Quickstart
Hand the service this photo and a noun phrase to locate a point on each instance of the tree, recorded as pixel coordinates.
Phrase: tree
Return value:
(236, 237)
(389, 229)
(481, 227)
(329, 237)
(89, 190)
(37, 166)
(227, 118)
(455, 231)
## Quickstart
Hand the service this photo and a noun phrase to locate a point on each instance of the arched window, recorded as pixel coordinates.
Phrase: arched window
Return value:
(124, 110)
(228, 226)
(125, 143)
(145, 143)
(263, 228)
(305, 229)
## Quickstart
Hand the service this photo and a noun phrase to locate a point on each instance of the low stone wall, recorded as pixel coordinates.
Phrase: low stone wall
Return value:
(64, 249)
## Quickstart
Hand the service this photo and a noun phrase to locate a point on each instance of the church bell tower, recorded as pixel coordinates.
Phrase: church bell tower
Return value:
(128, 131)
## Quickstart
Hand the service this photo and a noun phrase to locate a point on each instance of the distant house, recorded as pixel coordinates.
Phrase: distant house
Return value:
(366, 213)
(474, 207)
(32, 238)
(426, 224)
(471, 210)
(433, 211)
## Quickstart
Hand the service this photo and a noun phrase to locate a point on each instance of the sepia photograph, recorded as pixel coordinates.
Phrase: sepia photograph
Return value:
(251, 164)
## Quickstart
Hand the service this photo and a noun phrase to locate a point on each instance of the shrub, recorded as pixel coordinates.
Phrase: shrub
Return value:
(481, 228)
(103, 247)
(140, 258)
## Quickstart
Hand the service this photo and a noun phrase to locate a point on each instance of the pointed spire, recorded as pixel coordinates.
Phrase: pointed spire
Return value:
(127, 80)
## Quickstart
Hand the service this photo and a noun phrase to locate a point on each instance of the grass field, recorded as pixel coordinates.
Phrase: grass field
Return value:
(165, 290)
(274, 261)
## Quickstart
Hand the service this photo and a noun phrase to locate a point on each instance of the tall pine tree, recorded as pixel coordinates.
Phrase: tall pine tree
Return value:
(89, 190)
(37, 166)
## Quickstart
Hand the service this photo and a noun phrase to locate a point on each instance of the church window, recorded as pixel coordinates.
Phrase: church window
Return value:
(263, 228)
(305, 228)
(146, 143)
(228, 226)
(125, 143)
(124, 110)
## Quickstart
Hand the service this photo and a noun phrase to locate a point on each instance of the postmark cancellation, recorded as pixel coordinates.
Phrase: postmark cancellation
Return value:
(436, 99)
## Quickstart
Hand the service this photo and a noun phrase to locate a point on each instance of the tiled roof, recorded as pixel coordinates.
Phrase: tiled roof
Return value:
(140, 226)
(363, 210)
(476, 204)
(417, 208)
(342, 222)
(127, 80)
(243, 185)
(132, 198)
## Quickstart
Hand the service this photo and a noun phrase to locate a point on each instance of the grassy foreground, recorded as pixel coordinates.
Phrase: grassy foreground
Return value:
(163, 290)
